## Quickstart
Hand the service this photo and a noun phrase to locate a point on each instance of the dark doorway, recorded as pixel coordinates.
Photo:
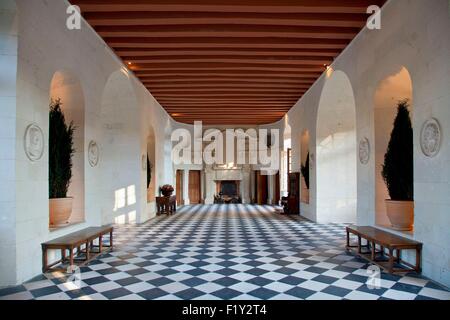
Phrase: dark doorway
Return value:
(179, 191)
(260, 188)
(194, 187)
(277, 189)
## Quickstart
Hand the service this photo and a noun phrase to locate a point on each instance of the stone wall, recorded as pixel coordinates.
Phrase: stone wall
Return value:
(411, 37)
(119, 114)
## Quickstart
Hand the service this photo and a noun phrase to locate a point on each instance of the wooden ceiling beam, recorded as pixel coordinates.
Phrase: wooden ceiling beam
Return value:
(157, 18)
(256, 6)
(226, 95)
(227, 79)
(149, 52)
(225, 110)
(228, 31)
(215, 81)
(307, 60)
(219, 113)
(218, 91)
(219, 85)
(195, 67)
(224, 42)
(227, 73)
(256, 106)
(228, 99)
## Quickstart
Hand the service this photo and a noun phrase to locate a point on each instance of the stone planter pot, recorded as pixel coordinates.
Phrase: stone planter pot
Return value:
(60, 211)
(401, 214)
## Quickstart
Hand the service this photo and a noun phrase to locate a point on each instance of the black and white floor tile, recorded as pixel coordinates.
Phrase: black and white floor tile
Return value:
(227, 252)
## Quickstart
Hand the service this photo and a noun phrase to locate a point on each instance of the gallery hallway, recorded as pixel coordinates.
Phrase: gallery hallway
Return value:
(227, 252)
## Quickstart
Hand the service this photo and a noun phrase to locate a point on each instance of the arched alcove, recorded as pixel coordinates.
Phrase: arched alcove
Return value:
(393, 88)
(336, 151)
(66, 87)
(121, 160)
(304, 153)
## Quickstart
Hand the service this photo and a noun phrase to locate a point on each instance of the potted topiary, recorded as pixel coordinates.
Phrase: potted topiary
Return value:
(304, 169)
(60, 164)
(398, 171)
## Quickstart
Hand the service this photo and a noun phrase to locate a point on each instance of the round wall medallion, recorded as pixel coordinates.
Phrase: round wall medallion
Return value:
(431, 137)
(34, 142)
(364, 151)
(93, 153)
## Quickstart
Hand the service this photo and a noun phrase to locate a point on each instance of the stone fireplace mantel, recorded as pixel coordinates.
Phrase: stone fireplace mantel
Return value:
(215, 174)
(228, 174)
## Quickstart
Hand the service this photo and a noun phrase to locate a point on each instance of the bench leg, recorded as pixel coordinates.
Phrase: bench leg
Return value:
(63, 255)
(44, 260)
(88, 251)
(71, 259)
(348, 239)
(359, 244)
(111, 242)
(418, 260)
(391, 260)
(398, 255)
(100, 244)
(373, 251)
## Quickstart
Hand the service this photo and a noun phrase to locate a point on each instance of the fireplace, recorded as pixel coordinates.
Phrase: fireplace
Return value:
(227, 191)
(228, 188)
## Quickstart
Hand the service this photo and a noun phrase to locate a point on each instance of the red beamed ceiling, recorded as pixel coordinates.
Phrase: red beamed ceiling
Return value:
(227, 61)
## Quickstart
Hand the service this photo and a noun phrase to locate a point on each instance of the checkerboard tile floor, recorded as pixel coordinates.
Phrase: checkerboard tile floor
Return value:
(227, 252)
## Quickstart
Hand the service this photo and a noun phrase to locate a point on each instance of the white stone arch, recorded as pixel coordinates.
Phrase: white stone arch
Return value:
(66, 86)
(336, 174)
(394, 86)
(121, 160)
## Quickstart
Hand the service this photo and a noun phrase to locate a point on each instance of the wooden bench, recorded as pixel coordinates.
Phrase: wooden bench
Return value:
(74, 241)
(389, 248)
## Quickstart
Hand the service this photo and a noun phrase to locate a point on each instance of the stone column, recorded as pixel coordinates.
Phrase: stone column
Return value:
(210, 187)
(245, 185)
(252, 184)
(270, 187)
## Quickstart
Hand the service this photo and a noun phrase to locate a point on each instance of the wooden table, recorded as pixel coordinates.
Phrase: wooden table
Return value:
(386, 241)
(166, 205)
(76, 240)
